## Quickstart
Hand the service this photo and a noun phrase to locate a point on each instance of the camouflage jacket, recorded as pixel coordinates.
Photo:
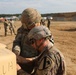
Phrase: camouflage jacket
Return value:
(21, 45)
(5, 24)
(50, 62)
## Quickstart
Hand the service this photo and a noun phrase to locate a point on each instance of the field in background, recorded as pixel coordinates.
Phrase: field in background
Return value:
(64, 36)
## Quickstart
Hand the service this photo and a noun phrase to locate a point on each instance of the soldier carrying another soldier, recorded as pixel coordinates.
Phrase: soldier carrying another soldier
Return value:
(50, 60)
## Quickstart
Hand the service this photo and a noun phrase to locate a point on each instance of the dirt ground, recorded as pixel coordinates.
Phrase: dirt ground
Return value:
(65, 39)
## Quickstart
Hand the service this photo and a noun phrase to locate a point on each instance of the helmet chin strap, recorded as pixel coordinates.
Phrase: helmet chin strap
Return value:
(28, 26)
(38, 46)
(24, 26)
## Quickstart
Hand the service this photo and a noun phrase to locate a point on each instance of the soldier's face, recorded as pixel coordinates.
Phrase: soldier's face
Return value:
(37, 44)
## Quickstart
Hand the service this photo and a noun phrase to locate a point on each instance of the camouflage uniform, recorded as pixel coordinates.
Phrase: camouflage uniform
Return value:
(50, 61)
(21, 46)
(42, 22)
(11, 27)
(5, 26)
(48, 23)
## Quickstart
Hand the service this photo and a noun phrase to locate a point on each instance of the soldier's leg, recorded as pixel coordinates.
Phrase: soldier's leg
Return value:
(11, 31)
(14, 31)
(5, 32)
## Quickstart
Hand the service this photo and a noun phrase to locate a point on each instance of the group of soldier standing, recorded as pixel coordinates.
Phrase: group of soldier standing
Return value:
(46, 21)
(9, 26)
(34, 47)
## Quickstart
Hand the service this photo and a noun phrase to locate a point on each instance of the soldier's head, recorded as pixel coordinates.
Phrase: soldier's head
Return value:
(38, 35)
(5, 19)
(30, 17)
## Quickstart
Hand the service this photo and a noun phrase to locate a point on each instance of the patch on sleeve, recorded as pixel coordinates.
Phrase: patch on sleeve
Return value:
(45, 63)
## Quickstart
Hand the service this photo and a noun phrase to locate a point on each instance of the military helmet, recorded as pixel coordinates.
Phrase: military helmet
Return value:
(39, 32)
(30, 16)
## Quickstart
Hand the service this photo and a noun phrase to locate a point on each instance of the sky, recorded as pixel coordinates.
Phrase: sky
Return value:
(43, 6)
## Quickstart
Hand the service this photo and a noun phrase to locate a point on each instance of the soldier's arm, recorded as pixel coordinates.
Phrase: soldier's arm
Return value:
(63, 67)
(20, 71)
(23, 60)
(16, 45)
(46, 67)
(51, 65)
(17, 42)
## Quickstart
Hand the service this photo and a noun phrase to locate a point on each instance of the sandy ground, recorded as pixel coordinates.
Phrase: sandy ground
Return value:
(65, 39)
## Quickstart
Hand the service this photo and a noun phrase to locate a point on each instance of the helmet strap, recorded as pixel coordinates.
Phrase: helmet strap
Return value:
(24, 25)
(31, 26)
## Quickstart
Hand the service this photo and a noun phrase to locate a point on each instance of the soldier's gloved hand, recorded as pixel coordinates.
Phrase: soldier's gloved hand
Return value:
(22, 72)
(21, 59)
(16, 52)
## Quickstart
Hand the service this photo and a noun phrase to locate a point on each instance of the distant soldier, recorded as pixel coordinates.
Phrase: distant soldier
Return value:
(12, 26)
(50, 60)
(5, 27)
(48, 23)
(42, 22)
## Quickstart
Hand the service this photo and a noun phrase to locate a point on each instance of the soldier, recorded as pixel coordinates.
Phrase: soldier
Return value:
(42, 21)
(12, 26)
(50, 60)
(48, 22)
(30, 18)
(5, 26)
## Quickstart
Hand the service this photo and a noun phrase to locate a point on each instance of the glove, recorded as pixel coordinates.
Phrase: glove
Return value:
(16, 52)
(21, 59)
(21, 72)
